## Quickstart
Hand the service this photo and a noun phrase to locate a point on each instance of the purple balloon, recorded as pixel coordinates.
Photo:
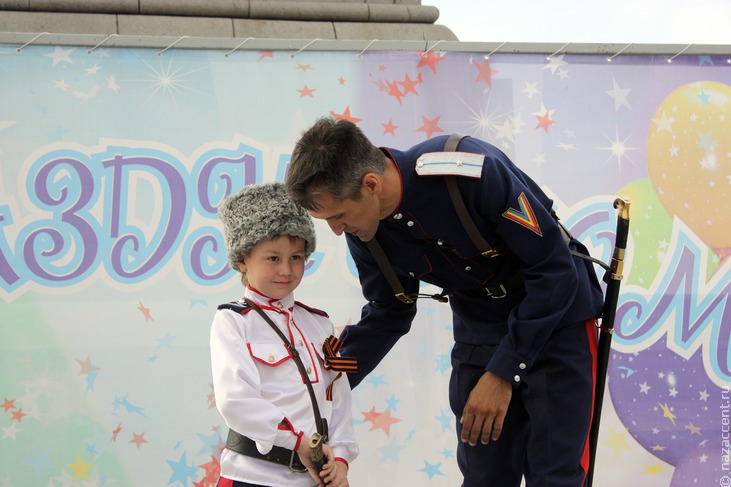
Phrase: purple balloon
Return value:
(702, 466)
(667, 403)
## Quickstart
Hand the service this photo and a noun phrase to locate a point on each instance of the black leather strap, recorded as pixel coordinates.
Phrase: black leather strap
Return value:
(246, 446)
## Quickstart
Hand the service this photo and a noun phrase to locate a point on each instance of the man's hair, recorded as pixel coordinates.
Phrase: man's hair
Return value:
(331, 157)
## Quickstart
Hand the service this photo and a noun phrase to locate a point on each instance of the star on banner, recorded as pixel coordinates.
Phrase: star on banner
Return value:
(394, 91)
(389, 128)
(17, 415)
(431, 469)
(429, 59)
(87, 368)
(345, 115)
(306, 92)
(384, 421)
(617, 441)
(544, 118)
(304, 67)
(138, 439)
(430, 126)
(265, 54)
(485, 72)
(145, 312)
(80, 468)
(60, 55)
(409, 85)
(181, 470)
(8, 404)
(115, 433)
(619, 95)
(555, 62)
(654, 469)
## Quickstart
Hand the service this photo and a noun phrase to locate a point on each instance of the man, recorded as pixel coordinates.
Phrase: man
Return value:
(524, 307)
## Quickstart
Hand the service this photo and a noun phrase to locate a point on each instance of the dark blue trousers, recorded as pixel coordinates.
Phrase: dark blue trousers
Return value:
(546, 430)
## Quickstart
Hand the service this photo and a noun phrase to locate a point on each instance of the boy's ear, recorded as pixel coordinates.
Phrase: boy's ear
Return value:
(242, 267)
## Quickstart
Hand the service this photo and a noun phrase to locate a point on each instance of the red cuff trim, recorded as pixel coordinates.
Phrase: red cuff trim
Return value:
(285, 425)
(338, 459)
(299, 440)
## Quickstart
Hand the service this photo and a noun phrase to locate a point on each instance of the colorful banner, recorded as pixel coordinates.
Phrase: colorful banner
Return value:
(112, 165)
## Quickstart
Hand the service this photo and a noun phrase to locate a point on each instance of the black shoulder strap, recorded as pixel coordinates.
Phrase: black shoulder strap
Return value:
(464, 216)
(319, 423)
(387, 269)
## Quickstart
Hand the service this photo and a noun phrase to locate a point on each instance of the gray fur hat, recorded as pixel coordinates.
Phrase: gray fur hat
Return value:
(262, 212)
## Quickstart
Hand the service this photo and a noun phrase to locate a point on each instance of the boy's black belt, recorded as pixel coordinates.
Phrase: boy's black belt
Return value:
(499, 291)
(282, 456)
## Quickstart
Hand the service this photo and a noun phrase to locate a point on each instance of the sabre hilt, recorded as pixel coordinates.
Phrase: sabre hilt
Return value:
(318, 458)
(620, 245)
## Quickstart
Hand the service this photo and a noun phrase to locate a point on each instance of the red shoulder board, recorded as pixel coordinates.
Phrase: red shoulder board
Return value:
(236, 307)
(312, 310)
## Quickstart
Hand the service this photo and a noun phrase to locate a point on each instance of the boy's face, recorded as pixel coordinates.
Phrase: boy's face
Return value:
(275, 267)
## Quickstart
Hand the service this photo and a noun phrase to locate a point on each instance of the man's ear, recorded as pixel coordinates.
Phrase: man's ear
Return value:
(372, 182)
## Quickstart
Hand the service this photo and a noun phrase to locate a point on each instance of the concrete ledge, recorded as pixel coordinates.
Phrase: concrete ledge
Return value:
(65, 23)
(283, 29)
(85, 6)
(306, 10)
(390, 32)
(403, 13)
(196, 8)
(14, 4)
(174, 26)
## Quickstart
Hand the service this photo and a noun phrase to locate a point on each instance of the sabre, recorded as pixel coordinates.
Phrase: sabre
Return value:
(318, 459)
(613, 279)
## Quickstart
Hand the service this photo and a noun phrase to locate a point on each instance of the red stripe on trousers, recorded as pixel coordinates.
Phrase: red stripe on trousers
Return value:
(591, 332)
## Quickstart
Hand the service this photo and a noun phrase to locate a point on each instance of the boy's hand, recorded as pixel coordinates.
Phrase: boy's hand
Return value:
(334, 473)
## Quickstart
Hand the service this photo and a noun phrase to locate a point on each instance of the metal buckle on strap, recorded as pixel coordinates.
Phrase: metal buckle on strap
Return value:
(404, 298)
(492, 292)
(291, 464)
(491, 253)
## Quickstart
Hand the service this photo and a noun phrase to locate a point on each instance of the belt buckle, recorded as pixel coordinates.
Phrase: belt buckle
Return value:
(291, 464)
(492, 295)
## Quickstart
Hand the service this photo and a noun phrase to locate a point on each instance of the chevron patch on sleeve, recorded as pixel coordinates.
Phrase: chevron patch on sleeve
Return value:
(524, 215)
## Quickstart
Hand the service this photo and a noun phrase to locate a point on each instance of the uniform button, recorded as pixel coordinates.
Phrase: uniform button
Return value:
(516, 378)
(419, 164)
(280, 305)
(271, 358)
(521, 366)
(468, 268)
(411, 274)
(411, 224)
(301, 344)
(459, 163)
(440, 242)
(397, 216)
(309, 370)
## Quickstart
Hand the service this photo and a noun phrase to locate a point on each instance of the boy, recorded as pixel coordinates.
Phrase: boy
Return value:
(261, 391)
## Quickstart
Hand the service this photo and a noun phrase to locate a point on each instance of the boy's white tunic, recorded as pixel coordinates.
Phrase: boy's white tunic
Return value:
(257, 385)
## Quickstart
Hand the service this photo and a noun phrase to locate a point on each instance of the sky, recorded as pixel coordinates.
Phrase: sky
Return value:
(588, 21)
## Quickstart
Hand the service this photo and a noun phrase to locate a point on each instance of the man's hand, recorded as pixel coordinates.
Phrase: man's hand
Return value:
(485, 410)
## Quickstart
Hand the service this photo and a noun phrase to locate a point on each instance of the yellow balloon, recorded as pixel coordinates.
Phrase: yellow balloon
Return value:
(689, 158)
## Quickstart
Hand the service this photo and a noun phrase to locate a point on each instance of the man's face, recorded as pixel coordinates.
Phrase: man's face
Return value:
(357, 217)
